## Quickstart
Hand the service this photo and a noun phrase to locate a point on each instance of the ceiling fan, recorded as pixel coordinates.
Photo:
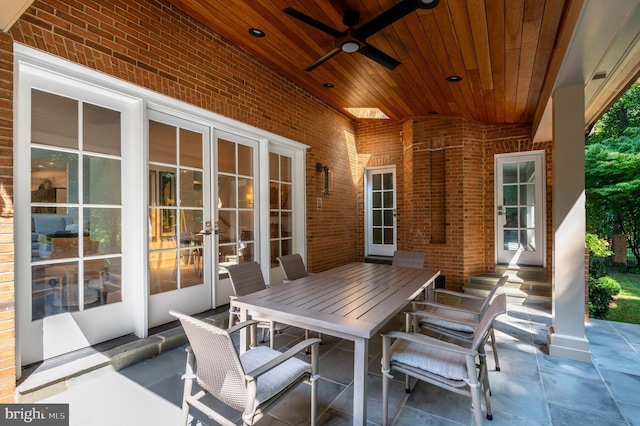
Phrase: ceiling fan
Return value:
(353, 39)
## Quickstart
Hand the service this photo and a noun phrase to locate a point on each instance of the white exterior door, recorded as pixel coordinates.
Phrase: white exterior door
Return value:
(520, 236)
(179, 216)
(74, 250)
(380, 211)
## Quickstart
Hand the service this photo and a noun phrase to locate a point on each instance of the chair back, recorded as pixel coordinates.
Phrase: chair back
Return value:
(292, 267)
(246, 278)
(408, 259)
(502, 281)
(498, 306)
(219, 370)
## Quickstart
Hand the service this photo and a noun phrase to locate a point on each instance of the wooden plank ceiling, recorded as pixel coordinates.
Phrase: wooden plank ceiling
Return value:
(500, 48)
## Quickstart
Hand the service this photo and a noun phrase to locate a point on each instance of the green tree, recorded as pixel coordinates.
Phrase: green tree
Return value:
(612, 172)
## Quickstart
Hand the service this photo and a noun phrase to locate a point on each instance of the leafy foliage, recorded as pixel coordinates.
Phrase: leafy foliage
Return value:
(612, 183)
(612, 172)
(598, 251)
(601, 292)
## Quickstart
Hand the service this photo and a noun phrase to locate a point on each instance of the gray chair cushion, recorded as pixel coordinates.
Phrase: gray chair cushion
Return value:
(428, 359)
(277, 379)
(451, 325)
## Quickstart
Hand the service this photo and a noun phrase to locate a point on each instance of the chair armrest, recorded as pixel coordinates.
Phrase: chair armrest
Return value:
(254, 374)
(241, 325)
(429, 341)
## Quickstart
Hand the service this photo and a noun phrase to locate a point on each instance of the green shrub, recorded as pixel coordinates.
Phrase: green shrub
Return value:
(601, 292)
(598, 251)
(597, 267)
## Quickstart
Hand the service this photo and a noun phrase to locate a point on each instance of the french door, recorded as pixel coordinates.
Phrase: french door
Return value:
(73, 221)
(179, 217)
(520, 231)
(380, 211)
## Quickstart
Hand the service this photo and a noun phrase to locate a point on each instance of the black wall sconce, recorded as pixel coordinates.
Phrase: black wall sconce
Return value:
(327, 178)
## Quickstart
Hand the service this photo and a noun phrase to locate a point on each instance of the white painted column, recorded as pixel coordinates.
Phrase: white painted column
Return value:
(566, 336)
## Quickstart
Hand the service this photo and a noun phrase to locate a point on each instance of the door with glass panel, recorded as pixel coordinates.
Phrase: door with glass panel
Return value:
(72, 288)
(520, 208)
(380, 207)
(281, 242)
(236, 226)
(179, 217)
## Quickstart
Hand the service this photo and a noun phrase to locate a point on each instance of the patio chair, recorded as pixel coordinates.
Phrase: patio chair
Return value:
(444, 364)
(409, 259)
(293, 268)
(246, 278)
(455, 315)
(251, 382)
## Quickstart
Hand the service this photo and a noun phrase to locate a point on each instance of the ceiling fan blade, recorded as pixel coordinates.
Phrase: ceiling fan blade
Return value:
(392, 15)
(330, 54)
(310, 21)
(379, 56)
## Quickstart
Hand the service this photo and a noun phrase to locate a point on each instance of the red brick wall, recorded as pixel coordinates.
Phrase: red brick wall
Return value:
(380, 144)
(450, 163)
(153, 45)
(7, 297)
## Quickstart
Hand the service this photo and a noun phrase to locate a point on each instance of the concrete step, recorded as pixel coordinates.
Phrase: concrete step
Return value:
(518, 290)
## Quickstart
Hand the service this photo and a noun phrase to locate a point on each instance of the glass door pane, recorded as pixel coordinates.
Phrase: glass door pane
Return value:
(237, 216)
(176, 208)
(75, 205)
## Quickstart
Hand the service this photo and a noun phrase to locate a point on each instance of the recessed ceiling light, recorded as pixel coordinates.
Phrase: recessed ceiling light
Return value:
(328, 85)
(433, 112)
(256, 32)
(453, 78)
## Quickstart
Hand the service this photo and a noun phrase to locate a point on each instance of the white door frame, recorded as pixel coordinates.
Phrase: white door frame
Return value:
(372, 249)
(197, 298)
(520, 256)
(64, 332)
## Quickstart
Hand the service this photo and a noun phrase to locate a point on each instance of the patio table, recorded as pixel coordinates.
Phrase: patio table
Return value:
(352, 302)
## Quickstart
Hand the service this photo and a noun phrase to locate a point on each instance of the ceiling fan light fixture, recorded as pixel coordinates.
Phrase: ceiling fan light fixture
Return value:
(256, 32)
(453, 79)
(350, 46)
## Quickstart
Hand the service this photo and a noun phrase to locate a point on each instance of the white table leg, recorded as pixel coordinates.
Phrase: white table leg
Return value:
(360, 361)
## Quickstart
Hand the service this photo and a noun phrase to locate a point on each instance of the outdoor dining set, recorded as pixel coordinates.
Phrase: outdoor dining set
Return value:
(443, 342)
